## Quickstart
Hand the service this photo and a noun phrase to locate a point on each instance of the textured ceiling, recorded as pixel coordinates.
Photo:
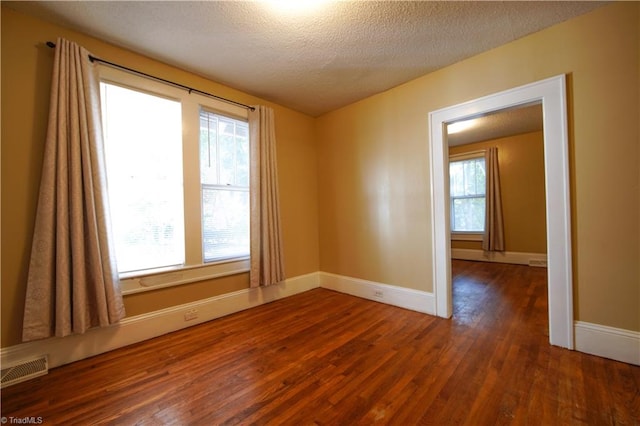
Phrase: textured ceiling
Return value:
(315, 61)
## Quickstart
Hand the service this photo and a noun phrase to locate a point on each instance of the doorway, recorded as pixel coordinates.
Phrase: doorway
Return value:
(551, 93)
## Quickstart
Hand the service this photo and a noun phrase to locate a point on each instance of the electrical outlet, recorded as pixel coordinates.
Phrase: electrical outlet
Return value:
(191, 315)
(378, 294)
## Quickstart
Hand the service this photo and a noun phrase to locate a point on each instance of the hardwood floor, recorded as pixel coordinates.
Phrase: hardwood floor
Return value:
(331, 359)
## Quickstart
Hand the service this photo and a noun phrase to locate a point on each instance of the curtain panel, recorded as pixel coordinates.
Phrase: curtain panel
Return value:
(493, 239)
(72, 283)
(267, 265)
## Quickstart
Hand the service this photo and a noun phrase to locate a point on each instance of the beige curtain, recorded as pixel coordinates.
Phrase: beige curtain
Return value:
(72, 283)
(267, 266)
(493, 239)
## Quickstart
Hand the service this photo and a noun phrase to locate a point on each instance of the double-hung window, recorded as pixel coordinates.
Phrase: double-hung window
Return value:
(467, 192)
(224, 171)
(178, 180)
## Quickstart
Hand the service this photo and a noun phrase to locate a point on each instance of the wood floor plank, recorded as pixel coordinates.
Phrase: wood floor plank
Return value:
(327, 358)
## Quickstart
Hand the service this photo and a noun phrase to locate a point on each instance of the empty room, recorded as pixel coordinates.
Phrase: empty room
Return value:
(327, 212)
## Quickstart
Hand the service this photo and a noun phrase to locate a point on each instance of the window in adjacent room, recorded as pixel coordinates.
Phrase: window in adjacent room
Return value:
(468, 184)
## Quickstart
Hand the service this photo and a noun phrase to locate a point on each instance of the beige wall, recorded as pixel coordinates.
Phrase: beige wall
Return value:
(26, 75)
(355, 183)
(374, 194)
(375, 188)
(521, 162)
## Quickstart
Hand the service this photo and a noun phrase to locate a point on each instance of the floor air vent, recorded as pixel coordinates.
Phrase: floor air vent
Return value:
(24, 371)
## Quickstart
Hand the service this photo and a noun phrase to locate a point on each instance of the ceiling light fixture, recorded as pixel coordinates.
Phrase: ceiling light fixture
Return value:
(461, 126)
(296, 6)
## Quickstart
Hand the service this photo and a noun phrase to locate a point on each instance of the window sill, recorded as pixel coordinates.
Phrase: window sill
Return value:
(179, 275)
(466, 236)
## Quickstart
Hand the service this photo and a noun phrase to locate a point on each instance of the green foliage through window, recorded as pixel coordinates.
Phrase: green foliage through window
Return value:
(468, 186)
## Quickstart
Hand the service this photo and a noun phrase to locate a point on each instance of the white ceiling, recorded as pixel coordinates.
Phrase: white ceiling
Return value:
(314, 62)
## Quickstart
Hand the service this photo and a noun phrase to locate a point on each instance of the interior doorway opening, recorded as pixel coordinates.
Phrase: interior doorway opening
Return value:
(551, 93)
(517, 136)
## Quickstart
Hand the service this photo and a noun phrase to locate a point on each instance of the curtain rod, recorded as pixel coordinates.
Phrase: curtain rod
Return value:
(169, 82)
(470, 153)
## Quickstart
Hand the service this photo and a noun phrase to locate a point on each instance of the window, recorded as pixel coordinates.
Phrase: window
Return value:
(143, 150)
(178, 178)
(224, 174)
(468, 186)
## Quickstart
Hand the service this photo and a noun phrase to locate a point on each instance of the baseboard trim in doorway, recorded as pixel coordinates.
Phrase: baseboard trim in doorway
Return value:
(518, 258)
(608, 342)
(415, 300)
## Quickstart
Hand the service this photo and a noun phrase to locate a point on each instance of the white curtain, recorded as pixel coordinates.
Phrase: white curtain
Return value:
(493, 239)
(267, 266)
(72, 283)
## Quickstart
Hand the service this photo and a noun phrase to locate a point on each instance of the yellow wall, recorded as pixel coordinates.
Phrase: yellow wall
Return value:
(26, 75)
(521, 163)
(375, 188)
(355, 183)
(374, 193)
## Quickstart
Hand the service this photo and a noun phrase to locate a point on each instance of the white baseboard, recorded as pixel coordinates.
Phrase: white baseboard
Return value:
(608, 342)
(147, 326)
(518, 258)
(407, 298)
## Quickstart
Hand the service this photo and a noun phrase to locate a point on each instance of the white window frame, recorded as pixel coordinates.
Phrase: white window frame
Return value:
(465, 235)
(194, 268)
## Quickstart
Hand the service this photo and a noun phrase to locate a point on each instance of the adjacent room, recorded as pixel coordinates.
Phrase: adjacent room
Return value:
(257, 213)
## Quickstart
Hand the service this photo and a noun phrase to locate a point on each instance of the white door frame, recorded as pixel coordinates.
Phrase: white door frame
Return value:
(551, 93)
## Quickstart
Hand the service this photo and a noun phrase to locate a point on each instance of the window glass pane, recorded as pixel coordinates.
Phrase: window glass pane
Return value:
(225, 216)
(227, 146)
(480, 177)
(456, 174)
(468, 214)
(242, 160)
(469, 177)
(143, 147)
(208, 148)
